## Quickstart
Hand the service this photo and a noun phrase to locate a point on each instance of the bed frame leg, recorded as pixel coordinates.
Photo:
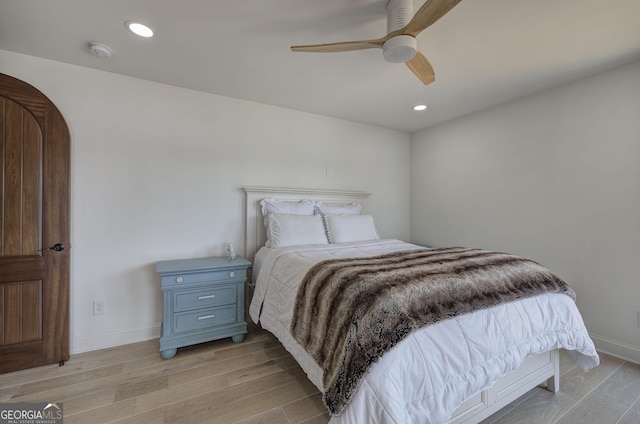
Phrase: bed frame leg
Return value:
(553, 382)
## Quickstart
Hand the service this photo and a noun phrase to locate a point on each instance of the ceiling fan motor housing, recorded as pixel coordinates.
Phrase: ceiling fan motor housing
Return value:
(399, 13)
(400, 48)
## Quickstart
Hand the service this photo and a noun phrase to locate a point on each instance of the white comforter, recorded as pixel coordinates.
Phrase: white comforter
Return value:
(430, 373)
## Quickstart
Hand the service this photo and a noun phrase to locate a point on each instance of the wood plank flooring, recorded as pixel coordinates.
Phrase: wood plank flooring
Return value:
(257, 381)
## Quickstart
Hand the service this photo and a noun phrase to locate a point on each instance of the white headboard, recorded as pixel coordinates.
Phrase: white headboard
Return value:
(255, 233)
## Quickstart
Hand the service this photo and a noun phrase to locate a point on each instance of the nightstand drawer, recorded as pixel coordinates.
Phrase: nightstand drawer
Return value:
(183, 279)
(196, 271)
(206, 297)
(203, 318)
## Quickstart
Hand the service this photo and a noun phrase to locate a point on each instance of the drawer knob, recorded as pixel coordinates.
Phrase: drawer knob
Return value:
(208, 296)
(179, 279)
(232, 274)
(206, 317)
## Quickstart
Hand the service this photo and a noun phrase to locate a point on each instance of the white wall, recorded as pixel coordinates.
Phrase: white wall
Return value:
(157, 173)
(554, 177)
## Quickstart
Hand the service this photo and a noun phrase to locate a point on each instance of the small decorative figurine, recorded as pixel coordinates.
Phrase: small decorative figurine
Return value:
(231, 252)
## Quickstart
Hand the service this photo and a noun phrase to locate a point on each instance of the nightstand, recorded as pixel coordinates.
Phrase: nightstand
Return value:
(203, 301)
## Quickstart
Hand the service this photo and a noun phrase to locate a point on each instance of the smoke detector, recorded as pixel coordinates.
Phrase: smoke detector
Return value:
(100, 49)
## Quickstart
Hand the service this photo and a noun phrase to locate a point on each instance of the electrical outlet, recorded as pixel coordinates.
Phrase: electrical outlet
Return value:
(99, 307)
(638, 317)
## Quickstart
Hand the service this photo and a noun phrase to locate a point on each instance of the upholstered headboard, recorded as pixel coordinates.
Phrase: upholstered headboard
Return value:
(255, 233)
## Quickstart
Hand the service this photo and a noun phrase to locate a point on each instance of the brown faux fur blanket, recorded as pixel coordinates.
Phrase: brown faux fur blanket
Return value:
(349, 312)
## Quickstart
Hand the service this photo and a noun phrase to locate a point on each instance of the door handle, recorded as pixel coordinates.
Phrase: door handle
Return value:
(58, 247)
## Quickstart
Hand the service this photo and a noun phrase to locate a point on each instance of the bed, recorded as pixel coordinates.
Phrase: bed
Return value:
(459, 369)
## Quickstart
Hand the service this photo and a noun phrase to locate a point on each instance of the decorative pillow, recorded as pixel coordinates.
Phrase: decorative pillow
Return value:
(350, 209)
(273, 205)
(349, 228)
(294, 230)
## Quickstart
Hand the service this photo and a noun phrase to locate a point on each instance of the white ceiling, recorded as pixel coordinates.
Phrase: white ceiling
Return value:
(484, 52)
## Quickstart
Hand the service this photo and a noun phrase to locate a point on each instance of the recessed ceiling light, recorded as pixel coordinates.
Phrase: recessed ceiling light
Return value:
(139, 29)
(420, 107)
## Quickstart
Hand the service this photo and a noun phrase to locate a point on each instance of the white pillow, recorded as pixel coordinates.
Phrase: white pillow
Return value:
(349, 228)
(294, 230)
(350, 209)
(273, 205)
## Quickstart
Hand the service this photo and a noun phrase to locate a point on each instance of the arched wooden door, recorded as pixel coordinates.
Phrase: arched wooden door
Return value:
(34, 218)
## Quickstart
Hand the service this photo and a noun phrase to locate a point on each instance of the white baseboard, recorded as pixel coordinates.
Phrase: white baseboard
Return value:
(102, 341)
(89, 343)
(616, 348)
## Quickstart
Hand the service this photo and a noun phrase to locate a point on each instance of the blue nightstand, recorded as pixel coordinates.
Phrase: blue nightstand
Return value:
(203, 301)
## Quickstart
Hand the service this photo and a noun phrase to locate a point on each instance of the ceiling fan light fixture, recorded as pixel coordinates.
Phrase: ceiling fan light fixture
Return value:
(399, 49)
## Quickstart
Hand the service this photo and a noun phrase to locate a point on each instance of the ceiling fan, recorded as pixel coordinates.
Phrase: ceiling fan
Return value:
(399, 45)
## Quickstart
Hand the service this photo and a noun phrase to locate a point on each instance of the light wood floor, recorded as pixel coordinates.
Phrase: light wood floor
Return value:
(257, 381)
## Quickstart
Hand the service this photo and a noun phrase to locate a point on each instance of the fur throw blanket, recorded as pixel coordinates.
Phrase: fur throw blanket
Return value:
(349, 312)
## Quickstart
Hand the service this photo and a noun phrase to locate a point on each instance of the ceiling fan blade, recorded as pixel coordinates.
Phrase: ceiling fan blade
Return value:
(343, 46)
(422, 68)
(427, 15)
